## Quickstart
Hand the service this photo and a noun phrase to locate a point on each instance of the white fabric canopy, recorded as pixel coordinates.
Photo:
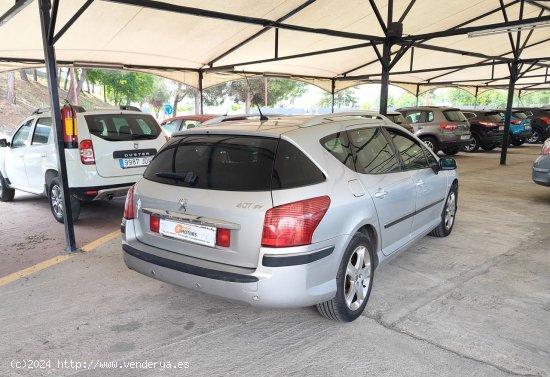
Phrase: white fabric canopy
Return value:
(176, 45)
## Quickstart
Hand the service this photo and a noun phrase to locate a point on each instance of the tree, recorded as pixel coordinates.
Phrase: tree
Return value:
(180, 93)
(122, 87)
(460, 97)
(23, 75)
(159, 95)
(344, 97)
(11, 88)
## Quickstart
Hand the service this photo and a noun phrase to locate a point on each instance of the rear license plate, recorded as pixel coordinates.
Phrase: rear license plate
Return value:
(465, 137)
(203, 235)
(501, 128)
(134, 162)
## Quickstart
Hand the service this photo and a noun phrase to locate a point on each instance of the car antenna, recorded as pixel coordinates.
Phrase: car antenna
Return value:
(262, 116)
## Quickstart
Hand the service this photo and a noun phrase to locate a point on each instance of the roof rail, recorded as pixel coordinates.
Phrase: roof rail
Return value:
(324, 118)
(129, 107)
(42, 110)
(227, 118)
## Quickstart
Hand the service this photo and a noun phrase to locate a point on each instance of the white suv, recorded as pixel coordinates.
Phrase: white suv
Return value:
(106, 153)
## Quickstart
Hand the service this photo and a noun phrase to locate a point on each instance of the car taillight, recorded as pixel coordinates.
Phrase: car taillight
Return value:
(489, 124)
(154, 223)
(448, 126)
(129, 205)
(223, 237)
(68, 121)
(515, 121)
(293, 224)
(546, 148)
(87, 152)
(545, 119)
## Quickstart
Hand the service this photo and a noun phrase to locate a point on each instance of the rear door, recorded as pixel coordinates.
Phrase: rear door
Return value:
(37, 153)
(456, 117)
(16, 154)
(391, 188)
(124, 143)
(201, 183)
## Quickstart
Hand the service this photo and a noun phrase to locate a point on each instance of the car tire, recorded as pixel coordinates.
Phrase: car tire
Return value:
(351, 282)
(6, 193)
(473, 146)
(536, 136)
(488, 147)
(56, 202)
(451, 151)
(430, 143)
(518, 142)
(448, 214)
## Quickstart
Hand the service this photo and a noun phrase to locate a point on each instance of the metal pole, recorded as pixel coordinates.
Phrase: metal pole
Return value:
(333, 88)
(417, 93)
(200, 91)
(49, 59)
(475, 97)
(508, 114)
(385, 79)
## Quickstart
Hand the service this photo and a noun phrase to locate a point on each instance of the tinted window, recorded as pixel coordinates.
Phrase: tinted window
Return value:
(122, 127)
(419, 116)
(293, 168)
(493, 116)
(338, 146)
(519, 114)
(411, 152)
(216, 162)
(373, 151)
(454, 116)
(21, 137)
(187, 124)
(396, 118)
(171, 126)
(469, 115)
(42, 131)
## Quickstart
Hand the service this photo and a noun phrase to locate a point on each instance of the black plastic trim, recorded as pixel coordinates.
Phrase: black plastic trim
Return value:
(187, 268)
(386, 226)
(295, 260)
(99, 188)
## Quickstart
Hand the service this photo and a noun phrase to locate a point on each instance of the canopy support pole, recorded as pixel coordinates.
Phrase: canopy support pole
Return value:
(417, 93)
(201, 91)
(49, 58)
(475, 97)
(508, 115)
(333, 86)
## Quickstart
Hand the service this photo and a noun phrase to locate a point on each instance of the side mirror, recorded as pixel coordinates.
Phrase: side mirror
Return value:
(447, 164)
(4, 143)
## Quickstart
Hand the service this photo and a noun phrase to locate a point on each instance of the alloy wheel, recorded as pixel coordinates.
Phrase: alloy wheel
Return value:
(357, 281)
(535, 137)
(57, 201)
(450, 210)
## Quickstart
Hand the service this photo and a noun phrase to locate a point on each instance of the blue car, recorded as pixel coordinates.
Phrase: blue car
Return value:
(520, 127)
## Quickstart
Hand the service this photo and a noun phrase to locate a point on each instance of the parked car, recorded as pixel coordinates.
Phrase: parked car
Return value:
(541, 166)
(288, 212)
(520, 127)
(106, 153)
(540, 123)
(183, 122)
(441, 128)
(487, 128)
(398, 118)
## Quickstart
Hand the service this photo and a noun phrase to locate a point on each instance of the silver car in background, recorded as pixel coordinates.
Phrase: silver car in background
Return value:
(288, 212)
(541, 166)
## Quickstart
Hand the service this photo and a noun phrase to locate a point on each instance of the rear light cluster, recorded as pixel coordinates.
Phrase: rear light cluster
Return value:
(515, 121)
(129, 205)
(293, 224)
(448, 126)
(87, 152)
(546, 148)
(223, 236)
(68, 121)
(489, 124)
(545, 119)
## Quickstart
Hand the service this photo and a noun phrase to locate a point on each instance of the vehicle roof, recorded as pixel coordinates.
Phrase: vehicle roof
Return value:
(479, 110)
(428, 108)
(199, 117)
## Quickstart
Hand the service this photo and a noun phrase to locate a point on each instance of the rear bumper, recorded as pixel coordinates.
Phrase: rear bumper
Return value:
(453, 144)
(101, 192)
(523, 134)
(541, 171)
(280, 280)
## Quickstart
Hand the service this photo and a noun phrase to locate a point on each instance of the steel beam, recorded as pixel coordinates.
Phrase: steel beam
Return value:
(10, 13)
(333, 87)
(72, 21)
(508, 115)
(49, 57)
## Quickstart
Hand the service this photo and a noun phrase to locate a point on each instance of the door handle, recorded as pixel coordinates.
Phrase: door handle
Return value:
(420, 182)
(380, 194)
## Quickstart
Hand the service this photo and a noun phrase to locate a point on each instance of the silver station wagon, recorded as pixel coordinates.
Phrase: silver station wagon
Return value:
(287, 212)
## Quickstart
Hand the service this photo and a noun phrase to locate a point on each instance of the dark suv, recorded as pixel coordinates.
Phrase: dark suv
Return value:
(540, 122)
(439, 127)
(487, 128)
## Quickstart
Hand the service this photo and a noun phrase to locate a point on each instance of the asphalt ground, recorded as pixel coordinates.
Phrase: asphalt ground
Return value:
(476, 303)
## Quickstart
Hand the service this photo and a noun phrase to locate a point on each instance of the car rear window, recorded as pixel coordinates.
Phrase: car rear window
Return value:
(454, 116)
(396, 118)
(493, 116)
(123, 127)
(232, 163)
(519, 114)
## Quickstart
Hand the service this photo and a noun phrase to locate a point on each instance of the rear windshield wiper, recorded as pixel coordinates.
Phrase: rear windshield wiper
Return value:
(187, 177)
(134, 137)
